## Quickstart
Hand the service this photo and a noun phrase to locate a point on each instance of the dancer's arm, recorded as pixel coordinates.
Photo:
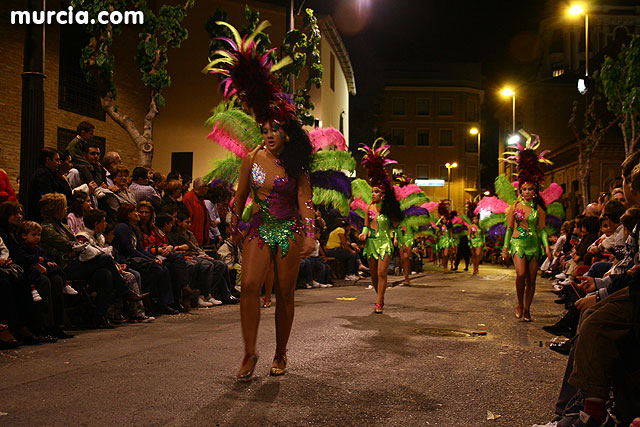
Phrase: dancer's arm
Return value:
(542, 223)
(507, 236)
(308, 215)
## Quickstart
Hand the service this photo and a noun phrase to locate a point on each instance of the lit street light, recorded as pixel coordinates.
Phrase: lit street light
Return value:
(476, 131)
(576, 10)
(512, 94)
(513, 139)
(449, 166)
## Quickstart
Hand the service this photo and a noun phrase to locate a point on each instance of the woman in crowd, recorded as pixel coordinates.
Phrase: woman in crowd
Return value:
(526, 238)
(156, 277)
(79, 204)
(64, 249)
(383, 214)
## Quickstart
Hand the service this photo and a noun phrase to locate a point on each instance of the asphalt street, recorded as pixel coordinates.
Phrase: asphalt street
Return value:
(425, 361)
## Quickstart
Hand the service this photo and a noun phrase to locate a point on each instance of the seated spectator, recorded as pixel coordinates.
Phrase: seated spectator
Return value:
(6, 191)
(319, 270)
(63, 248)
(94, 234)
(156, 243)
(43, 181)
(200, 221)
(94, 173)
(110, 162)
(339, 248)
(618, 194)
(68, 175)
(141, 189)
(76, 145)
(185, 242)
(174, 175)
(79, 204)
(121, 194)
(215, 196)
(30, 256)
(159, 180)
(156, 277)
(231, 254)
(173, 198)
(11, 217)
(16, 305)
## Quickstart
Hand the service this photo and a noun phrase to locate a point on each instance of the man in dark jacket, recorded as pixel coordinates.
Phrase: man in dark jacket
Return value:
(43, 181)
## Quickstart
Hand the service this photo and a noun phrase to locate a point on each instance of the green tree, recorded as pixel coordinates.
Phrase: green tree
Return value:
(161, 30)
(619, 80)
(589, 130)
(302, 45)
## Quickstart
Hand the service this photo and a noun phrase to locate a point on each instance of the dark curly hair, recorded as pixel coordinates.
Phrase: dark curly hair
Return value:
(390, 205)
(296, 155)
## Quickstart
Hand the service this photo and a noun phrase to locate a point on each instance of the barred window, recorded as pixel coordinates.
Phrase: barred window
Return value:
(75, 94)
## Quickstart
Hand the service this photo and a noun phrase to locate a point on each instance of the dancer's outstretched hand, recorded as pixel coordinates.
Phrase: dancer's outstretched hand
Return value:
(308, 246)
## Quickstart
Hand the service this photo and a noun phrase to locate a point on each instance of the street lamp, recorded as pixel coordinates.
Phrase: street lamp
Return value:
(576, 10)
(512, 94)
(449, 166)
(476, 131)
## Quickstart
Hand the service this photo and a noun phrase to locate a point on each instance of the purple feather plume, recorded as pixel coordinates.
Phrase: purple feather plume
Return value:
(496, 230)
(415, 211)
(332, 180)
(355, 220)
(554, 221)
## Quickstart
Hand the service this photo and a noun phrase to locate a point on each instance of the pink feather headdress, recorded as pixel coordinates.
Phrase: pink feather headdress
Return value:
(324, 137)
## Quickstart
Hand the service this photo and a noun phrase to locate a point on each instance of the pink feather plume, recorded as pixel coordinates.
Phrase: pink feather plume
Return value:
(430, 206)
(323, 137)
(404, 192)
(491, 204)
(551, 193)
(359, 204)
(224, 139)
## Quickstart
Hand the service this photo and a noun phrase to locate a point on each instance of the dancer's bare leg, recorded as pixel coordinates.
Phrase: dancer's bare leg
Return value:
(268, 285)
(520, 265)
(252, 279)
(286, 273)
(444, 255)
(405, 256)
(383, 268)
(373, 270)
(530, 289)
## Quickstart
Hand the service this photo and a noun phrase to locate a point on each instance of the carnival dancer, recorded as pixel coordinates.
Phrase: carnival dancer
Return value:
(476, 236)
(526, 238)
(445, 241)
(282, 222)
(411, 199)
(381, 217)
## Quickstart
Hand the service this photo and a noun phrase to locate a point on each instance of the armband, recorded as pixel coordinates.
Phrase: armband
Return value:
(507, 238)
(365, 231)
(309, 227)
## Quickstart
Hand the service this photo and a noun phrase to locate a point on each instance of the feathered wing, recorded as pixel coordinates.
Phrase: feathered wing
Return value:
(551, 193)
(504, 189)
(325, 137)
(227, 170)
(361, 191)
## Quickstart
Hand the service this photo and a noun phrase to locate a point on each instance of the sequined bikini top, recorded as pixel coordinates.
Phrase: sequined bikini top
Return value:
(281, 201)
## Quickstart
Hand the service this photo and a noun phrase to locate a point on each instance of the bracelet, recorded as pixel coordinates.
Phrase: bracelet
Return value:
(309, 227)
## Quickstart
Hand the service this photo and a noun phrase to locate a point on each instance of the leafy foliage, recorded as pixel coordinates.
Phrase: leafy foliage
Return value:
(619, 80)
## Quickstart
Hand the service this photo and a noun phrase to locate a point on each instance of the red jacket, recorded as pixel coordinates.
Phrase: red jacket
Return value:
(199, 217)
(6, 192)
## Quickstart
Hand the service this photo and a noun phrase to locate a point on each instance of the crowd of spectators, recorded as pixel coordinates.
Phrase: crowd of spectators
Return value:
(594, 268)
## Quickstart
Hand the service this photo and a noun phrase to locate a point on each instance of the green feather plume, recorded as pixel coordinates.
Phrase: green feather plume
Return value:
(415, 199)
(415, 221)
(332, 160)
(238, 123)
(556, 209)
(492, 220)
(505, 190)
(226, 169)
(331, 197)
(361, 188)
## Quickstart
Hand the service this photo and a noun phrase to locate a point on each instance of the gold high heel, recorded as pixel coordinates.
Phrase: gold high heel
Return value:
(275, 371)
(248, 365)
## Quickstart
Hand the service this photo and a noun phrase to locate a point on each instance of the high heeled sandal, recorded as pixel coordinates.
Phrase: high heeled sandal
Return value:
(377, 308)
(266, 302)
(518, 312)
(276, 371)
(526, 316)
(248, 365)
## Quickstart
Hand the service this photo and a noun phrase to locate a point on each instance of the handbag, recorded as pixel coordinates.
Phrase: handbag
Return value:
(89, 253)
(12, 272)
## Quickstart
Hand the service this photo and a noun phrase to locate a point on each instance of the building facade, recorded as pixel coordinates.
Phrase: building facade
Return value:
(180, 137)
(427, 123)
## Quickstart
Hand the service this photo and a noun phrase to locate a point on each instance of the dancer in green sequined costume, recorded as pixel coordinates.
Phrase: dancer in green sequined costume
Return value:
(381, 217)
(445, 239)
(526, 239)
(476, 243)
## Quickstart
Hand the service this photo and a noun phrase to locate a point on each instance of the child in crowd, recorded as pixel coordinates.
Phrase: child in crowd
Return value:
(30, 256)
(79, 204)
